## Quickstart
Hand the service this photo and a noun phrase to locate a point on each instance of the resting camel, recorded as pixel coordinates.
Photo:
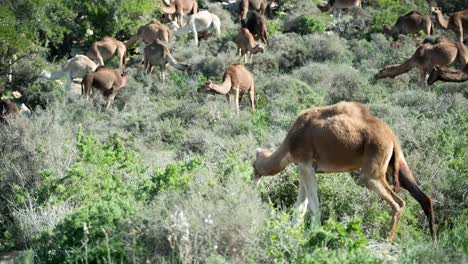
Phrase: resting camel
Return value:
(246, 44)
(458, 22)
(202, 22)
(257, 5)
(236, 79)
(158, 54)
(76, 67)
(446, 75)
(257, 25)
(105, 49)
(411, 23)
(108, 81)
(442, 53)
(179, 7)
(342, 138)
(339, 4)
(148, 33)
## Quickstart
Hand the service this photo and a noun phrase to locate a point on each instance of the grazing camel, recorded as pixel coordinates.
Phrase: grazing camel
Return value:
(246, 44)
(458, 22)
(202, 22)
(257, 25)
(147, 34)
(76, 67)
(179, 7)
(257, 5)
(105, 49)
(158, 54)
(108, 81)
(342, 138)
(236, 79)
(446, 75)
(338, 5)
(411, 23)
(7, 110)
(442, 52)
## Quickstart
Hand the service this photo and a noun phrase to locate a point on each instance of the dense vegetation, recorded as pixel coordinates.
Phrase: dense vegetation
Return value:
(165, 174)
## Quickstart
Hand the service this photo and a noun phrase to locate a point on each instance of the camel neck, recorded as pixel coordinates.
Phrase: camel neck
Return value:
(273, 163)
(224, 87)
(442, 21)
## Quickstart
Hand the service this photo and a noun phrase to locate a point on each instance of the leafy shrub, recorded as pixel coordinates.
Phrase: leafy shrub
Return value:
(310, 24)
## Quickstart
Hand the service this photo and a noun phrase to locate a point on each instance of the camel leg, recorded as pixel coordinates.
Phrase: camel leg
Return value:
(301, 202)
(252, 97)
(163, 73)
(142, 49)
(237, 100)
(251, 56)
(69, 83)
(240, 52)
(245, 57)
(310, 186)
(228, 98)
(195, 33)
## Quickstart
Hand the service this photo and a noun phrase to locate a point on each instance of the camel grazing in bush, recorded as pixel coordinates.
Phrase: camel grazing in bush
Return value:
(148, 33)
(105, 49)
(108, 81)
(442, 52)
(439, 74)
(338, 5)
(256, 5)
(342, 138)
(158, 54)
(180, 8)
(246, 44)
(257, 25)
(202, 22)
(76, 67)
(236, 79)
(458, 22)
(411, 23)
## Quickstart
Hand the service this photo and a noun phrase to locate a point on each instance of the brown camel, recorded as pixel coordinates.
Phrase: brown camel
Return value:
(108, 81)
(158, 54)
(179, 7)
(148, 33)
(442, 52)
(257, 25)
(342, 138)
(105, 49)
(257, 5)
(246, 44)
(446, 75)
(411, 23)
(8, 109)
(339, 4)
(236, 79)
(458, 22)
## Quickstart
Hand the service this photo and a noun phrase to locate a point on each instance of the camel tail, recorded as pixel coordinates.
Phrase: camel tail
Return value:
(409, 183)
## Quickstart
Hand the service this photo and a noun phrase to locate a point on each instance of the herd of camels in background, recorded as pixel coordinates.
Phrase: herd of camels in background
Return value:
(344, 137)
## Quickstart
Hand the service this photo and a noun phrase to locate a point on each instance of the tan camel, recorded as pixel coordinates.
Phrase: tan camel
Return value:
(158, 54)
(446, 75)
(257, 25)
(342, 138)
(108, 81)
(76, 67)
(236, 79)
(148, 33)
(411, 23)
(105, 49)
(458, 22)
(246, 44)
(8, 109)
(257, 5)
(338, 5)
(179, 7)
(442, 53)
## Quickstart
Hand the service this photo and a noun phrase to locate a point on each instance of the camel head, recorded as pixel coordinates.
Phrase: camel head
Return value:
(173, 26)
(259, 48)
(206, 88)
(387, 30)
(436, 10)
(433, 76)
(261, 153)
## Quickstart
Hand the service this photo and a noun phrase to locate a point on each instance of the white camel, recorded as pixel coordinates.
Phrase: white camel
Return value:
(76, 67)
(203, 22)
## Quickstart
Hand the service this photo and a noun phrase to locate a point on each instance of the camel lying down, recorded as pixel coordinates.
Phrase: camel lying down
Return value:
(342, 138)
(446, 75)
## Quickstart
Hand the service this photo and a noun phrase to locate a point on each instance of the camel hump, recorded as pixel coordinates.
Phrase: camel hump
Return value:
(414, 12)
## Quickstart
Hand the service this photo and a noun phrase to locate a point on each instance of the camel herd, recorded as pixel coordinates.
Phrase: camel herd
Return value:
(344, 137)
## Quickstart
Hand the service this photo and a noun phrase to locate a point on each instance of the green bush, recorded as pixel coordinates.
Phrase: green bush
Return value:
(310, 24)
